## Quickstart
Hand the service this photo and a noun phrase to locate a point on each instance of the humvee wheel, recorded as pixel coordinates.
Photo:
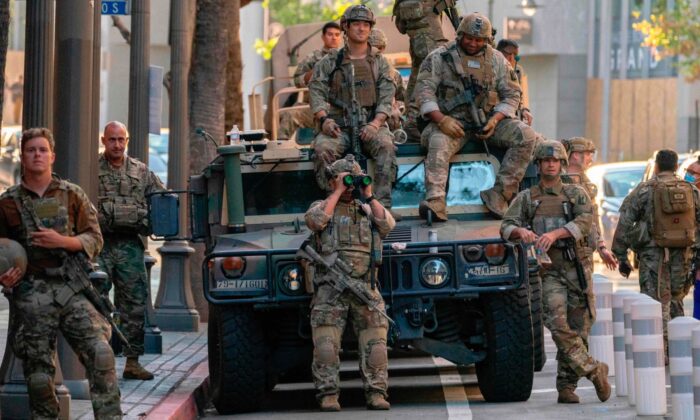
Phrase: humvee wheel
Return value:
(237, 359)
(540, 356)
(507, 372)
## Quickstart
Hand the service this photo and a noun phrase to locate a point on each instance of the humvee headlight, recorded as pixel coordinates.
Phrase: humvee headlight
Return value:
(232, 267)
(434, 272)
(292, 280)
(495, 254)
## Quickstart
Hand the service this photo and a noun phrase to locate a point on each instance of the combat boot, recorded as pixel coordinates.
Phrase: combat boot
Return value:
(495, 202)
(599, 377)
(567, 396)
(329, 403)
(134, 370)
(436, 206)
(376, 401)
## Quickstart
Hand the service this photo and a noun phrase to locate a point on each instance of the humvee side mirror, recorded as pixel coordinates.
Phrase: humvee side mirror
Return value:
(164, 215)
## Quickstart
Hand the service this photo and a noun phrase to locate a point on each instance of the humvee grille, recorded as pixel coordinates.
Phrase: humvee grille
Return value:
(399, 234)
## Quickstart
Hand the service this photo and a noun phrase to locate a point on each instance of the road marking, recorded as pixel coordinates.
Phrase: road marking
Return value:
(456, 400)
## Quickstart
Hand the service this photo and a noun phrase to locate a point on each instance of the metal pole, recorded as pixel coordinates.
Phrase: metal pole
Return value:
(646, 62)
(38, 65)
(591, 40)
(604, 73)
(624, 38)
(96, 70)
(138, 79)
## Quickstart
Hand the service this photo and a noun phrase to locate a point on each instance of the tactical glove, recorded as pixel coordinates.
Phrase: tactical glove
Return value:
(451, 127)
(369, 132)
(625, 268)
(330, 127)
(489, 128)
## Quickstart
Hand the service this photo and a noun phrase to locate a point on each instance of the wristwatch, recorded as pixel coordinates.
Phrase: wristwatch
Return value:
(322, 120)
(369, 199)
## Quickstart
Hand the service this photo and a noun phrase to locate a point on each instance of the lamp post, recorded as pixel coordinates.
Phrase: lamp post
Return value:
(529, 7)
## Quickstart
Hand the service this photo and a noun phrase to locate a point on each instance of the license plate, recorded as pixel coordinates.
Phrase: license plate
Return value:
(487, 270)
(241, 284)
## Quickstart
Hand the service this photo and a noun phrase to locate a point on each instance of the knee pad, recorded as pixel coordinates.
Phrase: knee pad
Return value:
(376, 354)
(40, 387)
(104, 357)
(326, 351)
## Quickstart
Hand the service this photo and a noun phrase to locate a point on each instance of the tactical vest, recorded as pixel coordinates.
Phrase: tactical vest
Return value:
(673, 218)
(477, 69)
(349, 233)
(417, 16)
(122, 203)
(366, 89)
(547, 213)
(592, 191)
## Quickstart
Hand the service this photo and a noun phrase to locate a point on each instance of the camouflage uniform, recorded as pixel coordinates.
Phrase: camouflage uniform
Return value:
(439, 83)
(662, 275)
(375, 91)
(378, 39)
(37, 315)
(123, 216)
(349, 233)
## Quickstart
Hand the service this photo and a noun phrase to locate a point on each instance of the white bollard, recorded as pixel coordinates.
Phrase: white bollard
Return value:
(648, 356)
(600, 341)
(696, 370)
(619, 340)
(680, 361)
(629, 365)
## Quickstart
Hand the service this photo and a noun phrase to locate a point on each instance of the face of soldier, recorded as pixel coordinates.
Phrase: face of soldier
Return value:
(37, 156)
(472, 45)
(692, 174)
(584, 160)
(346, 197)
(550, 168)
(115, 140)
(358, 31)
(331, 38)
(509, 53)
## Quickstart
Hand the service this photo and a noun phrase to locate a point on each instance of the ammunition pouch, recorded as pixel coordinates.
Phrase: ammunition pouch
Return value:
(410, 11)
(124, 217)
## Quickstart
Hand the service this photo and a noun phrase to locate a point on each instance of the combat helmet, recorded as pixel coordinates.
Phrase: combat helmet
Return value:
(476, 25)
(579, 144)
(12, 254)
(347, 164)
(377, 38)
(358, 12)
(551, 148)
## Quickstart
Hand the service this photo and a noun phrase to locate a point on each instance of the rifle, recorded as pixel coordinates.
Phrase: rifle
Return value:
(571, 254)
(354, 114)
(76, 270)
(340, 279)
(450, 9)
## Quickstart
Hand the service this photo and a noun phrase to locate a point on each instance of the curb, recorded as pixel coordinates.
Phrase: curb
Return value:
(182, 402)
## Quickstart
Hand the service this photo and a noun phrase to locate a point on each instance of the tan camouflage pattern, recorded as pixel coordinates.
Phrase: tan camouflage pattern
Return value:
(565, 313)
(662, 277)
(307, 64)
(476, 25)
(436, 75)
(524, 88)
(37, 318)
(595, 239)
(349, 235)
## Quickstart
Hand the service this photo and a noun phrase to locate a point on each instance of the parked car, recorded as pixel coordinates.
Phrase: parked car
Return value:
(614, 182)
(159, 143)
(10, 167)
(158, 165)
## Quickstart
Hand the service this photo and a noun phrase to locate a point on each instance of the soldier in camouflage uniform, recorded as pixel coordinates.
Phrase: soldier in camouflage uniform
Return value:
(123, 215)
(581, 152)
(509, 48)
(346, 227)
(42, 303)
(440, 92)
(378, 40)
(304, 118)
(537, 216)
(331, 99)
(663, 272)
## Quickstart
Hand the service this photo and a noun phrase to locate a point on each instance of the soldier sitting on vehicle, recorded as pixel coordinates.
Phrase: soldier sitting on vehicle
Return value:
(468, 91)
(350, 230)
(509, 48)
(378, 40)
(556, 218)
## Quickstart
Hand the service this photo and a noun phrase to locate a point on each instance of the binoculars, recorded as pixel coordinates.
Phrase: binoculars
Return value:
(359, 181)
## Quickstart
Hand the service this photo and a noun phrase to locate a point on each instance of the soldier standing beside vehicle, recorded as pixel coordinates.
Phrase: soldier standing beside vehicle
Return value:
(581, 154)
(453, 79)
(351, 230)
(123, 215)
(659, 221)
(373, 90)
(509, 49)
(378, 40)
(539, 215)
(43, 303)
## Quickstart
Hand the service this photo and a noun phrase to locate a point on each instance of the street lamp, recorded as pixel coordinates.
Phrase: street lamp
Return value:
(529, 7)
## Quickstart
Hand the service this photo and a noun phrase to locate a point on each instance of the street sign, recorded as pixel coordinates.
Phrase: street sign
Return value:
(117, 7)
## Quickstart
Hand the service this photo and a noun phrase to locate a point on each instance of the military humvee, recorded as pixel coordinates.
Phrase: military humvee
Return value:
(454, 289)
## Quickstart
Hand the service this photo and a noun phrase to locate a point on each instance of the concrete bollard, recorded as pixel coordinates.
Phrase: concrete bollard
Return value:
(648, 349)
(619, 341)
(680, 361)
(695, 336)
(629, 365)
(600, 340)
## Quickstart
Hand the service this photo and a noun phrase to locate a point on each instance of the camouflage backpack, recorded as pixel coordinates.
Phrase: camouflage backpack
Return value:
(674, 213)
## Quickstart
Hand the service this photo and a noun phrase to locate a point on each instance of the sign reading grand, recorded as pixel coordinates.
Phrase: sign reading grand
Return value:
(117, 7)
(518, 29)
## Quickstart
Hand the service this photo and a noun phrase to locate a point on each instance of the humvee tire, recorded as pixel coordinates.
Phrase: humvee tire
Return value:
(507, 373)
(539, 354)
(237, 359)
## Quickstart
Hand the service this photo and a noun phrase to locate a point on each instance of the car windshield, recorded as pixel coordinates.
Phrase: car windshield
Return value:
(620, 183)
(466, 180)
